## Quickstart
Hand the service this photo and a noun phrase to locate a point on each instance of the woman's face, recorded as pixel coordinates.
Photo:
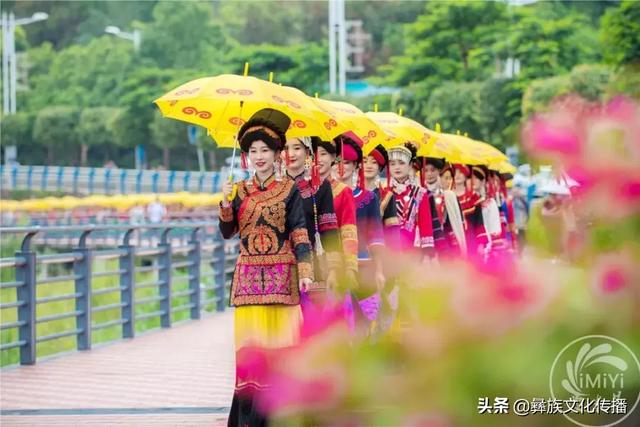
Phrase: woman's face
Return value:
(459, 178)
(399, 169)
(431, 173)
(325, 160)
(371, 168)
(349, 169)
(262, 157)
(446, 179)
(478, 184)
(297, 155)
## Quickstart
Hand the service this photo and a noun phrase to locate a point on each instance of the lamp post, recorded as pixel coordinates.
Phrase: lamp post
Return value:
(135, 36)
(9, 78)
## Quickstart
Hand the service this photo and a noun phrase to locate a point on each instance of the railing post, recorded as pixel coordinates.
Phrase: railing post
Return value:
(172, 178)
(123, 181)
(154, 182)
(44, 177)
(164, 276)
(185, 180)
(82, 269)
(139, 182)
(29, 177)
(14, 178)
(201, 183)
(76, 175)
(59, 178)
(27, 293)
(107, 180)
(221, 276)
(127, 282)
(92, 175)
(194, 257)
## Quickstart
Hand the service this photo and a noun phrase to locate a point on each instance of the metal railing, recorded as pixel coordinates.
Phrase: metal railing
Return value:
(174, 246)
(81, 180)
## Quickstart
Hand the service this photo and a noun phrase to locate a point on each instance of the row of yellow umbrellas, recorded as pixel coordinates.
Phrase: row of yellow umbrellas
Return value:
(119, 201)
(222, 104)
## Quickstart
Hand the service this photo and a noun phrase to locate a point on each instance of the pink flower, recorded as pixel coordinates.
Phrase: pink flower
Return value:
(551, 138)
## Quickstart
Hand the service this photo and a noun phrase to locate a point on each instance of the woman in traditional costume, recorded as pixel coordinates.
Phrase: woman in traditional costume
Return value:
(371, 278)
(419, 224)
(320, 216)
(326, 153)
(274, 264)
(374, 164)
(447, 208)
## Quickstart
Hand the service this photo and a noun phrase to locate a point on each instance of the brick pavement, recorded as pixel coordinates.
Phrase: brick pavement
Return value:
(181, 376)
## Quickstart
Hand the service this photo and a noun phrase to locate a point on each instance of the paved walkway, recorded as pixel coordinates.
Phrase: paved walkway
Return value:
(182, 376)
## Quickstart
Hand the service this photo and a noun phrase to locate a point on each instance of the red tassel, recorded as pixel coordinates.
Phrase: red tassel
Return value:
(361, 181)
(340, 164)
(287, 159)
(243, 161)
(388, 177)
(423, 183)
(315, 174)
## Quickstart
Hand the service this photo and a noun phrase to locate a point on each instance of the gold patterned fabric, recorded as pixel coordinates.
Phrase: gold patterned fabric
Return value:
(274, 245)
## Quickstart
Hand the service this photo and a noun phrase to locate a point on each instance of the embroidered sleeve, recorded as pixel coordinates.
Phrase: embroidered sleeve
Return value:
(228, 221)
(425, 223)
(297, 229)
(305, 270)
(327, 218)
(375, 231)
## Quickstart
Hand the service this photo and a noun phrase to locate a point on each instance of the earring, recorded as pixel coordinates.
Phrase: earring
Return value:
(277, 171)
(307, 168)
(354, 180)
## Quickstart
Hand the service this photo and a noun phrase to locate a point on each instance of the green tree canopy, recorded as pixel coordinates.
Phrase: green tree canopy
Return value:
(620, 32)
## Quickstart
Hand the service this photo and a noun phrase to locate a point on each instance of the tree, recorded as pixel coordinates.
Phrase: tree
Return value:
(589, 81)
(304, 66)
(453, 105)
(54, 128)
(440, 43)
(131, 126)
(96, 129)
(168, 134)
(184, 35)
(17, 129)
(82, 76)
(620, 33)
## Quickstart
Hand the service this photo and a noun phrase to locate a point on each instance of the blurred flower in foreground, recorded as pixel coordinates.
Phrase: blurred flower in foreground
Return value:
(597, 146)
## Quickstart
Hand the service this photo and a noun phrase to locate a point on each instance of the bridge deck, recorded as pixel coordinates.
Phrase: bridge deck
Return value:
(179, 376)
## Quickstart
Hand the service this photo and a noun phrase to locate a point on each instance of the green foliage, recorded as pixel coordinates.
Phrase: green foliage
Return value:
(620, 32)
(96, 125)
(82, 76)
(589, 81)
(141, 87)
(16, 128)
(439, 44)
(304, 66)
(54, 128)
(183, 35)
(626, 81)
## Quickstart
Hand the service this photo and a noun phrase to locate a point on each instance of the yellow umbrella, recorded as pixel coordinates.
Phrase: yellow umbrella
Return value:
(503, 167)
(478, 152)
(405, 129)
(356, 121)
(223, 103)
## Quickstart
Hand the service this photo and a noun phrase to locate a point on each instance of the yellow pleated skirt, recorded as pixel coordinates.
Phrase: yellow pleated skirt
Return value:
(262, 327)
(267, 326)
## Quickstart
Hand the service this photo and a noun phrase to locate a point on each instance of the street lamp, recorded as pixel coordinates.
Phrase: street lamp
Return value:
(9, 78)
(135, 36)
